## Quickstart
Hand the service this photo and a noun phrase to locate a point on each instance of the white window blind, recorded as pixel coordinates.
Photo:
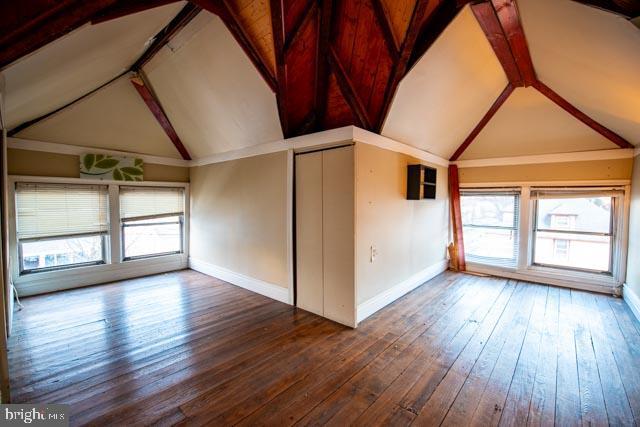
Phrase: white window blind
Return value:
(55, 210)
(490, 220)
(150, 202)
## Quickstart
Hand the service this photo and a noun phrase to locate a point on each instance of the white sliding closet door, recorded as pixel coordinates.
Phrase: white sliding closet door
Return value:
(325, 280)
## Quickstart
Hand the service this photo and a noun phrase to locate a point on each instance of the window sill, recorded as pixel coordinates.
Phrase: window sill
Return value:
(50, 281)
(570, 279)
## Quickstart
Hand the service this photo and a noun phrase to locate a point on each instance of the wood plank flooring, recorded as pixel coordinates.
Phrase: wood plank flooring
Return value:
(187, 349)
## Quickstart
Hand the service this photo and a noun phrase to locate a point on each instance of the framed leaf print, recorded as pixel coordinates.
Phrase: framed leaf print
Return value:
(104, 167)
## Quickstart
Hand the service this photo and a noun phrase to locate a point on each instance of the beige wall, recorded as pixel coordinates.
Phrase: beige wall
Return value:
(409, 235)
(633, 260)
(572, 171)
(38, 163)
(239, 218)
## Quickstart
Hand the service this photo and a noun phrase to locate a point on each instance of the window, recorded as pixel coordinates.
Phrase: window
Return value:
(60, 226)
(152, 221)
(574, 229)
(490, 226)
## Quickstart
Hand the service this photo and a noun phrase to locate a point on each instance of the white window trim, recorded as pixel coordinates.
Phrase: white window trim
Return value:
(114, 268)
(556, 276)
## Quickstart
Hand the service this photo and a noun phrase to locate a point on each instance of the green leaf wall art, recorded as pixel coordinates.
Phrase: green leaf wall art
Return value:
(101, 166)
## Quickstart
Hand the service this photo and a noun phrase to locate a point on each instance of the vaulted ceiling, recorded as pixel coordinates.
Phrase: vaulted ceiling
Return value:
(452, 77)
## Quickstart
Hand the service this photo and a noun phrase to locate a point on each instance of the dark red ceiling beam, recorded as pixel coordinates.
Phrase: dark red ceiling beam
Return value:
(569, 108)
(509, 17)
(322, 64)
(348, 90)
(223, 9)
(302, 20)
(486, 16)
(29, 25)
(485, 119)
(385, 23)
(277, 27)
(152, 102)
(127, 7)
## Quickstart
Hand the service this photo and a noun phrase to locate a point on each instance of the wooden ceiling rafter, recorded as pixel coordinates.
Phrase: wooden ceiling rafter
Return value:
(127, 7)
(578, 114)
(348, 90)
(304, 17)
(384, 21)
(483, 122)
(500, 21)
(23, 35)
(141, 84)
(322, 65)
(225, 12)
(278, 25)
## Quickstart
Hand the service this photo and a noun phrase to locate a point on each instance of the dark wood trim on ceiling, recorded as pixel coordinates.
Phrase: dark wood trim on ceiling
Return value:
(277, 29)
(509, 17)
(25, 30)
(142, 87)
(302, 20)
(486, 16)
(127, 7)
(322, 65)
(231, 21)
(349, 91)
(385, 23)
(569, 108)
(483, 122)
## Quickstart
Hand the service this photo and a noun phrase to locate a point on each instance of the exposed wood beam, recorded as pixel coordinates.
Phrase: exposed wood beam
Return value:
(486, 16)
(127, 7)
(627, 8)
(485, 119)
(167, 33)
(569, 108)
(384, 21)
(507, 12)
(232, 22)
(456, 216)
(349, 91)
(277, 29)
(26, 30)
(322, 70)
(302, 20)
(152, 102)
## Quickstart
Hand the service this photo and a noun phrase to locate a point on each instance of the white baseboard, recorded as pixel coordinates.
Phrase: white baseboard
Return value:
(39, 283)
(374, 304)
(258, 286)
(632, 300)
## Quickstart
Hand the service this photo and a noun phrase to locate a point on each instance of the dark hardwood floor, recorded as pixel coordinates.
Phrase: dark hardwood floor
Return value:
(184, 348)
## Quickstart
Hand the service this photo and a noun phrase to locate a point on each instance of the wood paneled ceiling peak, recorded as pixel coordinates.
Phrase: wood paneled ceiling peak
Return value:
(330, 63)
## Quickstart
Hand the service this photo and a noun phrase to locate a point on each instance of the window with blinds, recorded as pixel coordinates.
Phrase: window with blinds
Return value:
(152, 221)
(490, 220)
(60, 225)
(574, 228)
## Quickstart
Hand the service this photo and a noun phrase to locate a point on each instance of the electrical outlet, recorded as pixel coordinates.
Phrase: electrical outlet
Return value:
(374, 254)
